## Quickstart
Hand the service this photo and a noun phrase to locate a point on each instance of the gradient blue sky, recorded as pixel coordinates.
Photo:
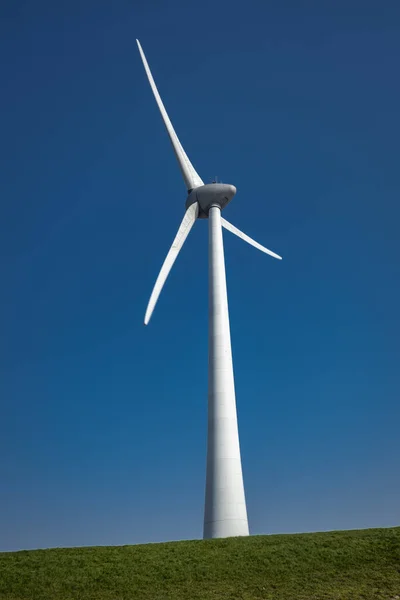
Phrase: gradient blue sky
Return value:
(103, 421)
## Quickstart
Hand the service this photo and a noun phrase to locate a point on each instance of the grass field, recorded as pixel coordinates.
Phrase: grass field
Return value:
(341, 565)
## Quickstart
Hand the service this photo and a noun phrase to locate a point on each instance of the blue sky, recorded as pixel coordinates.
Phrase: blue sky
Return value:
(103, 421)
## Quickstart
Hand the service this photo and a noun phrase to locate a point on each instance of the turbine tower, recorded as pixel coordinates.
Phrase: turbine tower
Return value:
(225, 513)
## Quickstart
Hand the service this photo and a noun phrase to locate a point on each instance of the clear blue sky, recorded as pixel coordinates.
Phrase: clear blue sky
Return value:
(103, 421)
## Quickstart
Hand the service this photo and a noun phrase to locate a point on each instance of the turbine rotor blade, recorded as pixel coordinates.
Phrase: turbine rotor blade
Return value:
(183, 231)
(190, 176)
(247, 239)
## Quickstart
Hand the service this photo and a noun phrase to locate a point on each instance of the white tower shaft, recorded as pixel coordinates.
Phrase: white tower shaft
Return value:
(225, 512)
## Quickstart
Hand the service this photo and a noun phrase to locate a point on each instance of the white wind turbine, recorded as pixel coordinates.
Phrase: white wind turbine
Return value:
(225, 513)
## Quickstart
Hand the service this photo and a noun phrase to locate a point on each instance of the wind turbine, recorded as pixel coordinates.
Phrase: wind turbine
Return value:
(225, 513)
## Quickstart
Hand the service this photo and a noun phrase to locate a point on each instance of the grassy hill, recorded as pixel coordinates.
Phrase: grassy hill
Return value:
(341, 565)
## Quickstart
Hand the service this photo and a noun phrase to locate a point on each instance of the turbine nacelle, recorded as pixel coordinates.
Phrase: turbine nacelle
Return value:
(211, 194)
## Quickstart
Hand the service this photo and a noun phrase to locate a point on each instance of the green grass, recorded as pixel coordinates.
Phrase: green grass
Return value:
(320, 566)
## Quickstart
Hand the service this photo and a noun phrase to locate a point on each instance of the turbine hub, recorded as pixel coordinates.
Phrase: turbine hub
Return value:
(211, 194)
